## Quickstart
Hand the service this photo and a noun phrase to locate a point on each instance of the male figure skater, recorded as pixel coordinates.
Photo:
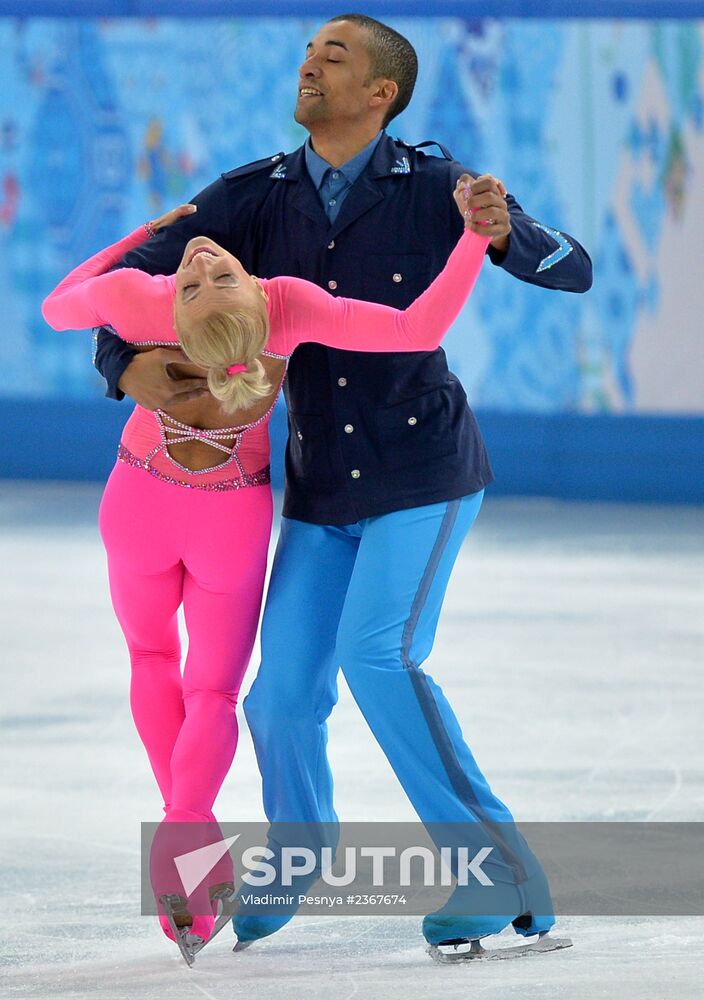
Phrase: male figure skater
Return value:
(385, 466)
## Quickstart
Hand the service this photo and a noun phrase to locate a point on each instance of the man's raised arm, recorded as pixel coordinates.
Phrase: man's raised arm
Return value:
(526, 248)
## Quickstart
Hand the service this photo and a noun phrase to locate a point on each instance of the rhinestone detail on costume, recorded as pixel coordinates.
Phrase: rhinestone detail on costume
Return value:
(173, 431)
(260, 478)
(564, 248)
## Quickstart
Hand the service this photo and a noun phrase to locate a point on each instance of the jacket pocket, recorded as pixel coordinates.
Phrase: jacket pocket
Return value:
(417, 431)
(308, 449)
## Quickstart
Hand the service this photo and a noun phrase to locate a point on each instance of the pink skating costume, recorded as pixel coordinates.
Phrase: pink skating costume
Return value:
(174, 536)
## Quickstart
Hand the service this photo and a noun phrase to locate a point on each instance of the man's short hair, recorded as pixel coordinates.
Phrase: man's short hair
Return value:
(392, 56)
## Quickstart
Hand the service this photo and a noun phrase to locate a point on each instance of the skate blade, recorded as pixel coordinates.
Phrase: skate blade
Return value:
(225, 911)
(187, 942)
(473, 951)
(242, 945)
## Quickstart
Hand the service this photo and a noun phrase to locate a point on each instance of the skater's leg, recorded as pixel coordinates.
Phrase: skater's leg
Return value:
(146, 578)
(295, 690)
(225, 564)
(225, 558)
(386, 632)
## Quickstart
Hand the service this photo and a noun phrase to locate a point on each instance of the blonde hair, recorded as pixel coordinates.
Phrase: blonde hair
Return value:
(227, 338)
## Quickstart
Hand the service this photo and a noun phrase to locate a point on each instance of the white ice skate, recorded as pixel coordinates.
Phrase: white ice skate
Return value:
(187, 942)
(467, 950)
(225, 897)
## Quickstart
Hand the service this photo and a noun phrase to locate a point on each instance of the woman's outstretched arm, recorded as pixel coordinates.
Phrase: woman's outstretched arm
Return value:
(92, 294)
(302, 312)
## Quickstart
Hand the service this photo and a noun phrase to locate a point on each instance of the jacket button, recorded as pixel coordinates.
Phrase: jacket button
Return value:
(342, 382)
(412, 421)
(299, 435)
(355, 473)
(349, 428)
(398, 277)
(331, 245)
(332, 284)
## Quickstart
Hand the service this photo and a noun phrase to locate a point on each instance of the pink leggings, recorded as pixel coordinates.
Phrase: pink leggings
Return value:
(168, 545)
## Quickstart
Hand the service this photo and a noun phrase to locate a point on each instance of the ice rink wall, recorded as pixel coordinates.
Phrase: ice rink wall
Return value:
(592, 113)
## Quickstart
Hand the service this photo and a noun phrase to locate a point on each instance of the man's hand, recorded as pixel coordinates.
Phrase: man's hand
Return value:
(482, 202)
(148, 381)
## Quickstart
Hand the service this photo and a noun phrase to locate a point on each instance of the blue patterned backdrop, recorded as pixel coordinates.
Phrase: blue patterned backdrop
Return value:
(596, 126)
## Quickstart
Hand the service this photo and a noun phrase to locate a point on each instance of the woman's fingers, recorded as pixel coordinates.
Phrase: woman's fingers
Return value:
(172, 216)
(461, 194)
(482, 202)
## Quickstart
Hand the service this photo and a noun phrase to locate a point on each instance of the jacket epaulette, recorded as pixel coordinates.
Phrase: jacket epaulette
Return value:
(429, 142)
(268, 163)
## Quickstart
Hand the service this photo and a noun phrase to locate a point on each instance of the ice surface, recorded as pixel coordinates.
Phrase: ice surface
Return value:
(571, 648)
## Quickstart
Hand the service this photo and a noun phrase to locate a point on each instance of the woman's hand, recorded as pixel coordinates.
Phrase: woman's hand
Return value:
(482, 204)
(173, 216)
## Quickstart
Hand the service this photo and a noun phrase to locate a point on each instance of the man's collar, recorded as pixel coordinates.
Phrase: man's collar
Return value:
(318, 167)
(390, 157)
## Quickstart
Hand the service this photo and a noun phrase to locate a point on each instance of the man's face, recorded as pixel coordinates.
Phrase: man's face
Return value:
(332, 78)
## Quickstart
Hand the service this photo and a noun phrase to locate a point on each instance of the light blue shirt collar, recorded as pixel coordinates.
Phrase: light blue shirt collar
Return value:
(318, 167)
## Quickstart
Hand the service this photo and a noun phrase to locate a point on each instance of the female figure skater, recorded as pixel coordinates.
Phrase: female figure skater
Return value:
(186, 514)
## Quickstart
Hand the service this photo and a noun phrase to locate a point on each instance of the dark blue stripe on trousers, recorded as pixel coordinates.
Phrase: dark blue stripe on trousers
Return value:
(439, 734)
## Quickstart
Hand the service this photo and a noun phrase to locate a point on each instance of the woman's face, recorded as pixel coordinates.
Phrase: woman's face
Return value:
(209, 279)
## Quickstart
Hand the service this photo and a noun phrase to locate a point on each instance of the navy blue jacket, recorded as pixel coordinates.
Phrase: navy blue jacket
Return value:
(368, 433)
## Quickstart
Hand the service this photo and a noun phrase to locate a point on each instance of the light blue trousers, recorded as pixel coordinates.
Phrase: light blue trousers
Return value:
(365, 598)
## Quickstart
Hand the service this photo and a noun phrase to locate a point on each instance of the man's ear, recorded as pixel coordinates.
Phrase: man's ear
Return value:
(384, 92)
